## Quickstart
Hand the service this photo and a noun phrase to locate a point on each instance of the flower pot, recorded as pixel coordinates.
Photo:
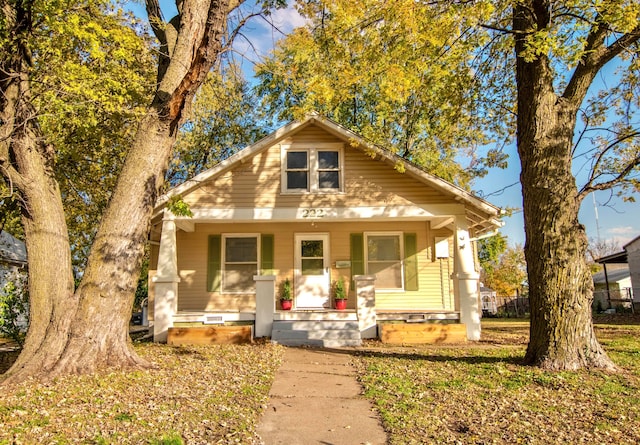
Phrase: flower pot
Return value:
(286, 304)
(341, 304)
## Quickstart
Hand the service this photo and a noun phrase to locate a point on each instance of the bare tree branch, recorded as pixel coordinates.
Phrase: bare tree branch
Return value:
(591, 184)
(596, 55)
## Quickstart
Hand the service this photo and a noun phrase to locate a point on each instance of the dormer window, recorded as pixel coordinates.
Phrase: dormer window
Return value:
(315, 169)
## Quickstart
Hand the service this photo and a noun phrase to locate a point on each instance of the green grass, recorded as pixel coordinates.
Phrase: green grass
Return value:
(481, 393)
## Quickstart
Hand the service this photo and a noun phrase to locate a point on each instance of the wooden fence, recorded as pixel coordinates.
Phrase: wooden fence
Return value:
(494, 306)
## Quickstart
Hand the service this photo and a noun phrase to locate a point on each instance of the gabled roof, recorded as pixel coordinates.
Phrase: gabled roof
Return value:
(480, 209)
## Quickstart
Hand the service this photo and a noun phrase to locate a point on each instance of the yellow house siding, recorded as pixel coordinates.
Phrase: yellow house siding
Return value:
(256, 182)
(250, 184)
(192, 261)
(312, 134)
(371, 182)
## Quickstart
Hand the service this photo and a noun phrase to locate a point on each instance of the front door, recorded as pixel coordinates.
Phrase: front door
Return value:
(312, 271)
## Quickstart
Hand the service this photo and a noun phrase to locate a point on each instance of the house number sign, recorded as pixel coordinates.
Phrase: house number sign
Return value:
(313, 213)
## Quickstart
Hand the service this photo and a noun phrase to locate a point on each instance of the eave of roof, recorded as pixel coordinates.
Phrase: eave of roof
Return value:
(615, 258)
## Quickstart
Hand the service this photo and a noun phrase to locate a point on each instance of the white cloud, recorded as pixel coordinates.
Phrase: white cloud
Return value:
(287, 19)
(260, 35)
(622, 235)
(264, 32)
(627, 230)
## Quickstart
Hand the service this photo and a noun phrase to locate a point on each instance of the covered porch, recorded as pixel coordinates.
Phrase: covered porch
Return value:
(320, 327)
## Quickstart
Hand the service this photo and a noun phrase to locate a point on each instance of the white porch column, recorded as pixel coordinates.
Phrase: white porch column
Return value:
(166, 281)
(466, 280)
(366, 307)
(265, 304)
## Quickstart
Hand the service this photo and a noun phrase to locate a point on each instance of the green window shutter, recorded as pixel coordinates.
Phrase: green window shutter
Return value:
(214, 268)
(266, 252)
(357, 256)
(410, 261)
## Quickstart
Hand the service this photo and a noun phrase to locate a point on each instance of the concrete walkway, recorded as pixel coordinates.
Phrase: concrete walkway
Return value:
(316, 399)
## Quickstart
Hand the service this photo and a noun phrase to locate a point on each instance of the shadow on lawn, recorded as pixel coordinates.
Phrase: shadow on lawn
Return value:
(425, 356)
(439, 358)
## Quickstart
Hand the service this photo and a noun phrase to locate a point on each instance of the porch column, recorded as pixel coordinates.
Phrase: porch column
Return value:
(265, 304)
(366, 305)
(166, 281)
(466, 280)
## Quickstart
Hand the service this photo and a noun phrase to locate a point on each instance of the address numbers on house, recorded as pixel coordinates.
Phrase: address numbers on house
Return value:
(314, 213)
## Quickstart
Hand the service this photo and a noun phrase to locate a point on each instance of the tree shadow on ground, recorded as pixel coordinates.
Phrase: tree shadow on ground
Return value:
(427, 356)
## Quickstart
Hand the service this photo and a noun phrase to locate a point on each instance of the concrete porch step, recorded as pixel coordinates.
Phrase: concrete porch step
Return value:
(312, 325)
(321, 343)
(328, 334)
(315, 315)
(319, 334)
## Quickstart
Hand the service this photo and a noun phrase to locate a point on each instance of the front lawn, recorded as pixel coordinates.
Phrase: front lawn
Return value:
(198, 395)
(481, 394)
(476, 393)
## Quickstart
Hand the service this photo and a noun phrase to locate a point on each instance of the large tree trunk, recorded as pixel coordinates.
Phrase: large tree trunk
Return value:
(99, 336)
(560, 285)
(85, 330)
(47, 242)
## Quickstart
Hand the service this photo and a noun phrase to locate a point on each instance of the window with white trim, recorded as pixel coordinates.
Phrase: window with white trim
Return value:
(297, 168)
(312, 169)
(328, 170)
(383, 258)
(239, 263)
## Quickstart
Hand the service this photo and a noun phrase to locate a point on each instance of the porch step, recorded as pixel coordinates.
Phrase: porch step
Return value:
(315, 325)
(327, 334)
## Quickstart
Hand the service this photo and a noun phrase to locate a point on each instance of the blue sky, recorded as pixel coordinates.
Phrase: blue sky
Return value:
(617, 222)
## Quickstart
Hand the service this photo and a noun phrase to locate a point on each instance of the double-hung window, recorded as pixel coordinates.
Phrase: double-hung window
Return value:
(239, 263)
(328, 170)
(297, 171)
(383, 258)
(316, 169)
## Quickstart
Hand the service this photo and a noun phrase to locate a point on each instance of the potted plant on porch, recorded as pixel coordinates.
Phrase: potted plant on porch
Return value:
(340, 295)
(286, 299)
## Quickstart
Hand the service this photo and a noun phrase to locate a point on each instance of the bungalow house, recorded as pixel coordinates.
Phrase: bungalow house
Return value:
(314, 203)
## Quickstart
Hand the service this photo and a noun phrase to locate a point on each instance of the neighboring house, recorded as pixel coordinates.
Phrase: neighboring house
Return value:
(13, 257)
(633, 259)
(620, 275)
(314, 202)
(489, 300)
(613, 288)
